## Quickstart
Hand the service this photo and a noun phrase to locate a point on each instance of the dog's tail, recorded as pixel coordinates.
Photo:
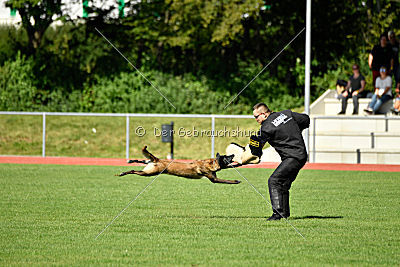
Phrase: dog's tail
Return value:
(148, 155)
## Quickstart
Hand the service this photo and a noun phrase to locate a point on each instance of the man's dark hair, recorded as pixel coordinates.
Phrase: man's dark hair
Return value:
(263, 105)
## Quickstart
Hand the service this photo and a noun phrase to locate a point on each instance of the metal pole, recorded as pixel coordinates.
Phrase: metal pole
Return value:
(44, 135)
(307, 68)
(372, 140)
(172, 140)
(212, 135)
(127, 136)
(386, 123)
(314, 131)
(358, 156)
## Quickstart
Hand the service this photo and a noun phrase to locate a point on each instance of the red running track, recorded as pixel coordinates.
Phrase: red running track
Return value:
(122, 162)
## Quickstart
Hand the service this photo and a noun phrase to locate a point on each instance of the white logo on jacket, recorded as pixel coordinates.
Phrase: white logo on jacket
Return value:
(280, 119)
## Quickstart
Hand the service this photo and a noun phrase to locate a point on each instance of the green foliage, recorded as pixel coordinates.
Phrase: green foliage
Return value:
(130, 92)
(17, 89)
(342, 70)
(12, 39)
(201, 53)
(379, 23)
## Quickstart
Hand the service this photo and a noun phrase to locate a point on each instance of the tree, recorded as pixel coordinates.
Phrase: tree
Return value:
(36, 17)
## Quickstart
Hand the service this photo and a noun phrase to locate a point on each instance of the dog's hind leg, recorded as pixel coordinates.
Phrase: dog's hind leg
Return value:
(213, 178)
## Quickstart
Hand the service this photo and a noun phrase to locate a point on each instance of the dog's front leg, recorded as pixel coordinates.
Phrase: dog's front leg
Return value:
(141, 173)
(126, 173)
(213, 178)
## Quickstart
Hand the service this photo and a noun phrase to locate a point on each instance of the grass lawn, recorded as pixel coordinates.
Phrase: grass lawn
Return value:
(51, 214)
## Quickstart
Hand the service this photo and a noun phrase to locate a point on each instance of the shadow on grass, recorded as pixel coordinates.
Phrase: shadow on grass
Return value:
(251, 217)
(218, 217)
(315, 217)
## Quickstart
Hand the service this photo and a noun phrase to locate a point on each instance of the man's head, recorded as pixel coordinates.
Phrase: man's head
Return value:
(356, 68)
(383, 71)
(383, 40)
(261, 112)
(392, 36)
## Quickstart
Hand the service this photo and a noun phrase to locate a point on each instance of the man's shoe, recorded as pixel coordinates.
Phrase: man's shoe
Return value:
(341, 113)
(275, 217)
(369, 111)
(354, 113)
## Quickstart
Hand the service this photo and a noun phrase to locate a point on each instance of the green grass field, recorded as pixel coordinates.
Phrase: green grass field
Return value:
(51, 214)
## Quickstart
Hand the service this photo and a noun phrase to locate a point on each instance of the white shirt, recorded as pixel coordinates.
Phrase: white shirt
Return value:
(383, 84)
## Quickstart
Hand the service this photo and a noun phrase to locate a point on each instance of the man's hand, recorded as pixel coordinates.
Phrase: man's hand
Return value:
(345, 93)
(355, 93)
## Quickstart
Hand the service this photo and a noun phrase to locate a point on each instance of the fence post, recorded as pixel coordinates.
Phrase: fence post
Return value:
(358, 156)
(372, 140)
(386, 123)
(314, 131)
(44, 135)
(127, 136)
(212, 135)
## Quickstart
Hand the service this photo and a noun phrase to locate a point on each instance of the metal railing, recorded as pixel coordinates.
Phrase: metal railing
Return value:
(127, 116)
(379, 117)
(212, 117)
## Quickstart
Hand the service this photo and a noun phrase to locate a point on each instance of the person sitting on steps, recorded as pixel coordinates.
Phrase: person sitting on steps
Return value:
(383, 92)
(396, 105)
(354, 89)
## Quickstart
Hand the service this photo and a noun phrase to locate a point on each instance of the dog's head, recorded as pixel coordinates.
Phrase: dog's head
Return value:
(224, 160)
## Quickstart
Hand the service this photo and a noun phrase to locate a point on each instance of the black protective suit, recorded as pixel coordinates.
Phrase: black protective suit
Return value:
(282, 130)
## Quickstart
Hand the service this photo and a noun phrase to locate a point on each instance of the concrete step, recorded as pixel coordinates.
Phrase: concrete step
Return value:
(380, 156)
(354, 140)
(376, 123)
(334, 105)
(367, 156)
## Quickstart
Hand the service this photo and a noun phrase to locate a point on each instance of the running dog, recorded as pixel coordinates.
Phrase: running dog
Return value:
(193, 170)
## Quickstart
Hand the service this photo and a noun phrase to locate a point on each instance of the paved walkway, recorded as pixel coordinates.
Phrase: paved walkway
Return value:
(122, 162)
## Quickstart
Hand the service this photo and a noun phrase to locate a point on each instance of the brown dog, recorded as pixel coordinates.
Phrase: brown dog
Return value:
(192, 170)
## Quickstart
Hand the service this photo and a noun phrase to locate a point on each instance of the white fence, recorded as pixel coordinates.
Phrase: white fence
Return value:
(211, 117)
(127, 116)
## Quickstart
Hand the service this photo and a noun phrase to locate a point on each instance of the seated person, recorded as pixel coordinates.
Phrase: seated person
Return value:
(354, 89)
(383, 92)
(396, 106)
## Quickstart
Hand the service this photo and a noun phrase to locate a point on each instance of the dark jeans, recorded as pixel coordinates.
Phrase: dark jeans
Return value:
(283, 177)
(376, 102)
(344, 102)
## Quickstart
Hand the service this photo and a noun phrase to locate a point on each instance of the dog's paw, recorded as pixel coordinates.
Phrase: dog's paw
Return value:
(237, 182)
(121, 174)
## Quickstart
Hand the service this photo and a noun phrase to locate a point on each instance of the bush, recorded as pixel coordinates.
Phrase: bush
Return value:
(130, 92)
(17, 89)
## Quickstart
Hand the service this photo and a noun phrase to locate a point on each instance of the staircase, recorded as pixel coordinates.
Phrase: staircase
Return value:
(349, 138)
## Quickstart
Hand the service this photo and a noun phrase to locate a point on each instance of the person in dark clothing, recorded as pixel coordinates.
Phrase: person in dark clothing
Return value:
(381, 55)
(282, 130)
(354, 89)
(395, 49)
